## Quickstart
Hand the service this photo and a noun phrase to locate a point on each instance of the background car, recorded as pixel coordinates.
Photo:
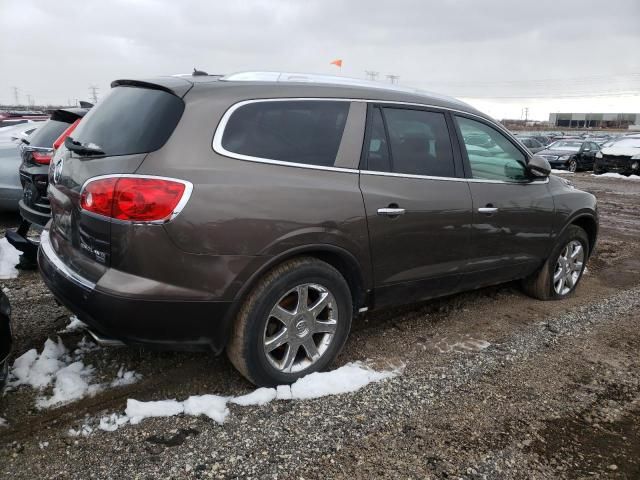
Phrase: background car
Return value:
(571, 154)
(532, 144)
(36, 153)
(10, 185)
(621, 155)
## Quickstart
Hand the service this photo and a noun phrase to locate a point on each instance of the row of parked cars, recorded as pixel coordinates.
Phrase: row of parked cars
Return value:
(598, 153)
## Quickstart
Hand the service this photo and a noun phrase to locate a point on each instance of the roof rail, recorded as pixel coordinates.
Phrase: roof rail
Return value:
(294, 77)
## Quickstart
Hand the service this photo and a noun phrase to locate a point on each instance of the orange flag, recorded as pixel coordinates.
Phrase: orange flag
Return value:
(337, 63)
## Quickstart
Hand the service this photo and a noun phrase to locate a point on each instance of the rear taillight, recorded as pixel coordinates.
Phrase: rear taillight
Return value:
(43, 158)
(60, 140)
(135, 198)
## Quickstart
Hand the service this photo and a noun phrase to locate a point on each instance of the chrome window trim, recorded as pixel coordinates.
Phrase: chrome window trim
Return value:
(188, 190)
(47, 250)
(219, 132)
(450, 179)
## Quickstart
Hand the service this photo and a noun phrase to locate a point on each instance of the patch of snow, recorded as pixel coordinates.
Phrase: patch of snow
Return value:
(213, 406)
(72, 383)
(260, 396)
(283, 392)
(461, 344)
(3, 422)
(36, 370)
(561, 172)
(85, 431)
(618, 176)
(138, 411)
(67, 373)
(9, 258)
(43, 445)
(112, 422)
(74, 325)
(124, 377)
(346, 379)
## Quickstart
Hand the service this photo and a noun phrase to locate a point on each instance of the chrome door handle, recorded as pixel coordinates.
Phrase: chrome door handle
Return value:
(391, 212)
(487, 209)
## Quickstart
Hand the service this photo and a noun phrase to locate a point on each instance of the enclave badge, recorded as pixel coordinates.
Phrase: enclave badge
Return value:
(57, 170)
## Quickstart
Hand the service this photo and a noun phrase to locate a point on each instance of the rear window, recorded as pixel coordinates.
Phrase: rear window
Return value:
(130, 120)
(300, 131)
(48, 133)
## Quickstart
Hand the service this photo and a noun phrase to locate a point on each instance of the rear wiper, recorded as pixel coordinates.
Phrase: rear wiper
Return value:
(82, 149)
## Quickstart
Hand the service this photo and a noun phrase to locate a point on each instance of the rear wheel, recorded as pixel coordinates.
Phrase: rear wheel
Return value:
(294, 322)
(561, 273)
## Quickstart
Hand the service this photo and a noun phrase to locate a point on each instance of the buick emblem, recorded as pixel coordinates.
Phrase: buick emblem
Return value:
(57, 170)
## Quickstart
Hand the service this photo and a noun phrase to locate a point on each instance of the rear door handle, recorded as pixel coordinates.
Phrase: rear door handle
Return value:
(391, 212)
(487, 209)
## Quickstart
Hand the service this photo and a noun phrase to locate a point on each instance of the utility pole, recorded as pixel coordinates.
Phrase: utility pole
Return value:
(525, 114)
(94, 93)
(372, 75)
(15, 95)
(393, 78)
(29, 99)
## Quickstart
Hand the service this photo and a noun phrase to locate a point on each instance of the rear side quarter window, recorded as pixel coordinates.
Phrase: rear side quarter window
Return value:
(297, 131)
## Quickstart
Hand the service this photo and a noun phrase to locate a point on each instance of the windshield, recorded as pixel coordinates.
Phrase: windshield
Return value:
(568, 145)
(47, 134)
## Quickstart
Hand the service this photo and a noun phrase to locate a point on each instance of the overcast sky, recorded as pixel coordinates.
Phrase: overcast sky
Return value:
(502, 56)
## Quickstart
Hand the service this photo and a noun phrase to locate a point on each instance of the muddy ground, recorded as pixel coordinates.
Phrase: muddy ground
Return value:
(556, 394)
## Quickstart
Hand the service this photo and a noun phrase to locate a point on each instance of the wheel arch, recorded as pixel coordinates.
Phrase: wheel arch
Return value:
(342, 260)
(589, 223)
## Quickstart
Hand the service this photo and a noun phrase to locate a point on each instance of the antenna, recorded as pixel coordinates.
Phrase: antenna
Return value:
(393, 78)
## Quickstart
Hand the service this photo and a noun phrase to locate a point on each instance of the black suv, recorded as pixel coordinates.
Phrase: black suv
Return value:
(36, 153)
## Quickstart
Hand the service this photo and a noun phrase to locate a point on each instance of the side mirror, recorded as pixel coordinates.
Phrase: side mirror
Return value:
(538, 166)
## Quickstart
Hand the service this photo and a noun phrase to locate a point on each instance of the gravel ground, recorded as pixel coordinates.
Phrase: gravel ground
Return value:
(556, 394)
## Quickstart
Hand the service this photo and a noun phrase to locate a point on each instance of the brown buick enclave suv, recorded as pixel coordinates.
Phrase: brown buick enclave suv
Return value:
(261, 212)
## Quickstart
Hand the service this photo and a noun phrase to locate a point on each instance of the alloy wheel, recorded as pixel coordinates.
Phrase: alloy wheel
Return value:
(568, 267)
(300, 328)
(573, 166)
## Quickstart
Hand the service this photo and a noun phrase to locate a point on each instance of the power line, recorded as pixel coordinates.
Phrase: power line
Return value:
(94, 93)
(393, 78)
(372, 75)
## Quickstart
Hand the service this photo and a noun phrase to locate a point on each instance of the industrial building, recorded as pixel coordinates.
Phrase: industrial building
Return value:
(596, 120)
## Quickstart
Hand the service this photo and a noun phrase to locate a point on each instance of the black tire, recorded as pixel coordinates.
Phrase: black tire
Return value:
(573, 165)
(540, 285)
(597, 169)
(246, 346)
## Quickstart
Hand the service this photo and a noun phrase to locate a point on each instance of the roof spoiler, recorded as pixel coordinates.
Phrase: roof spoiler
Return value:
(173, 85)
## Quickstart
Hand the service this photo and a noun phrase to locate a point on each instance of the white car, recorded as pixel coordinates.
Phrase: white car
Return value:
(621, 155)
(10, 139)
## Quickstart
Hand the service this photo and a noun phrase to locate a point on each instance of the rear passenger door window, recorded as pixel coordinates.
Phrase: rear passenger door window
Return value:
(413, 142)
(297, 131)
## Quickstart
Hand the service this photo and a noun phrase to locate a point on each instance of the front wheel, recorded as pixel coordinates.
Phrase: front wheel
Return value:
(561, 273)
(597, 169)
(294, 322)
(573, 165)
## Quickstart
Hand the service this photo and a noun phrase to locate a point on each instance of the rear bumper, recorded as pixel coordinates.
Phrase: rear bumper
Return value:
(160, 323)
(33, 216)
